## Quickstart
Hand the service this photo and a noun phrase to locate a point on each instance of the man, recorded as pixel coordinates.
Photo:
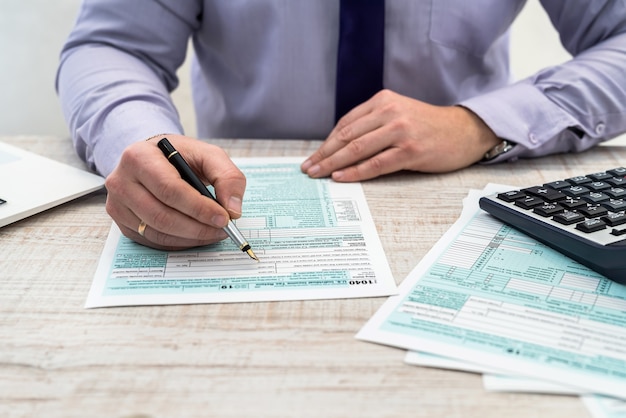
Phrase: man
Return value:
(269, 69)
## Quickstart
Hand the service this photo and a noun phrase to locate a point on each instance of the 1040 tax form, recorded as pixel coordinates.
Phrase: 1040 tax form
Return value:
(491, 296)
(315, 238)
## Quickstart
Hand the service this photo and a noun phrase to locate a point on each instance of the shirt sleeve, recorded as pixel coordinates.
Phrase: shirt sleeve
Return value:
(116, 71)
(573, 106)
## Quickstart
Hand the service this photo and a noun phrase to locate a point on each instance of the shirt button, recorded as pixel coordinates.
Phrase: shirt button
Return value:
(600, 128)
(532, 138)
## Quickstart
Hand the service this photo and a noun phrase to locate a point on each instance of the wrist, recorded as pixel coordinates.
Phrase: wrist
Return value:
(485, 142)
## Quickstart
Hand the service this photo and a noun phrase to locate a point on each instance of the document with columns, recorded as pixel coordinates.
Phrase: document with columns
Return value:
(491, 296)
(315, 240)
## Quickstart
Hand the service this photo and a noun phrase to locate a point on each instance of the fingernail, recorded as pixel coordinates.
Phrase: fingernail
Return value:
(337, 175)
(305, 165)
(313, 170)
(234, 205)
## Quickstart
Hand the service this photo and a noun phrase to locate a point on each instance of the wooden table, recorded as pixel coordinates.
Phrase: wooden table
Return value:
(274, 359)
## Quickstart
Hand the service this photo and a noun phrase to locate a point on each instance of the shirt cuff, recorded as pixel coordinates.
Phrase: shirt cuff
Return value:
(522, 114)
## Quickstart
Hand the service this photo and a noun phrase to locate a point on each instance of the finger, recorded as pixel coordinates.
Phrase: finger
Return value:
(358, 112)
(148, 187)
(161, 196)
(156, 239)
(165, 226)
(214, 166)
(388, 161)
(349, 127)
(355, 142)
(353, 152)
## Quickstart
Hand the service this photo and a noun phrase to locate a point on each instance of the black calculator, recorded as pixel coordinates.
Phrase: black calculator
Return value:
(583, 217)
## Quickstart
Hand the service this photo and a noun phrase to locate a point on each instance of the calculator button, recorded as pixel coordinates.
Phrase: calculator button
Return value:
(568, 217)
(548, 209)
(615, 205)
(598, 186)
(615, 218)
(575, 190)
(591, 225)
(558, 185)
(618, 232)
(528, 202)
(617, 172)
(616, 192)
(511, 195)
(594, 197)
(578, 180)
(545, 193)
(573, 203)
(617, 181)
(602, 175)
(593, 211)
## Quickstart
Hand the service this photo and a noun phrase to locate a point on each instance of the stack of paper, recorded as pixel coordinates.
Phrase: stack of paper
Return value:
(489, 299)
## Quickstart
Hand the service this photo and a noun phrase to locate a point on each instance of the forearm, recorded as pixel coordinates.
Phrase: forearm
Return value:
(110, 100)
(567, 108)
(117, 69)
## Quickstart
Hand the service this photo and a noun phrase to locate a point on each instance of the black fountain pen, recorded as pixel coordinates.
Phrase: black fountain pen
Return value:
(190, 177)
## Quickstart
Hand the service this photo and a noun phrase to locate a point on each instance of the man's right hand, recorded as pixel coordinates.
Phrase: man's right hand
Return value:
(146, 187)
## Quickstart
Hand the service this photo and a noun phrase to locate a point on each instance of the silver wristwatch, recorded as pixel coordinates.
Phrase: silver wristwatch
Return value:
(501, 148)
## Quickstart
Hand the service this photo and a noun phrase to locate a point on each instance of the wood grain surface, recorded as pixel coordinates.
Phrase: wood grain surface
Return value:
(275, 359)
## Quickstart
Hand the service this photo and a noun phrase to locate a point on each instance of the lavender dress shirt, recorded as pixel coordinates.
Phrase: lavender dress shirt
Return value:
(267, 68)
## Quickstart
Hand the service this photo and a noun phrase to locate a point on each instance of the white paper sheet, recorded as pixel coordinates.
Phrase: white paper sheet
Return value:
(491, 296)
(315, 238)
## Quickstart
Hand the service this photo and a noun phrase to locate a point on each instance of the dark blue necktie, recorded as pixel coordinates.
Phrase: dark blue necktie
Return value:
(360, 53)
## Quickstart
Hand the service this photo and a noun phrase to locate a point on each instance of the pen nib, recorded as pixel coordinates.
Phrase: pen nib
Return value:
(252, 255)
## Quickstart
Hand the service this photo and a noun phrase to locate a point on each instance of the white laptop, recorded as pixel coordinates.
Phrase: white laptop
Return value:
(30, 183)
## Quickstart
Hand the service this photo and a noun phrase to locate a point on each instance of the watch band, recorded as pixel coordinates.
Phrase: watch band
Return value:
(501, 148)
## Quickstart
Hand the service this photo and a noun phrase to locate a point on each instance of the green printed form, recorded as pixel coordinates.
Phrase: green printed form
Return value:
(315, 239)
(490, 295)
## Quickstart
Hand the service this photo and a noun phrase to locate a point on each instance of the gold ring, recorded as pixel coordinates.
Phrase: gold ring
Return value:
(142, 228)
